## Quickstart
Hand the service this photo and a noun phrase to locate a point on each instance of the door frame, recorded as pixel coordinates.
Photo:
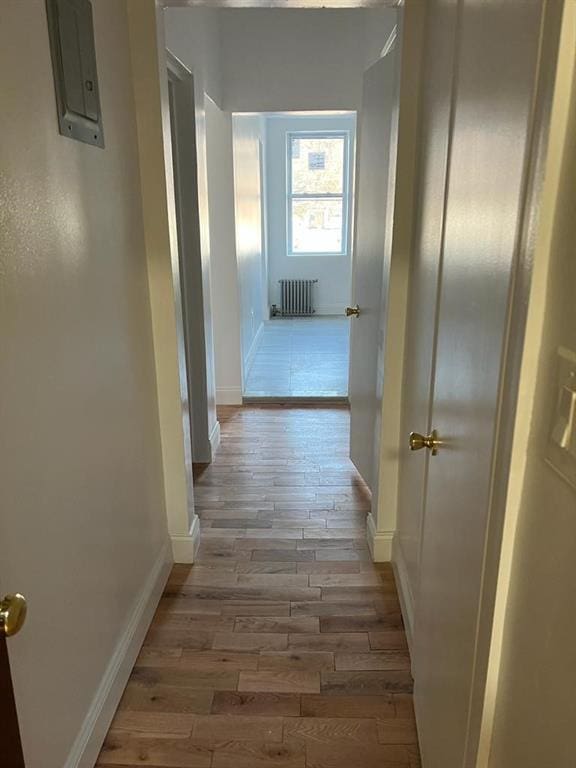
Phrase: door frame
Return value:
(372, 257)
(382, 521)
(160, 245)
(188, 291)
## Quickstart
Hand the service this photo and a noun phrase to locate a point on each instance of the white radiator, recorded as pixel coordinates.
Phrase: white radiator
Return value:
(296, 297)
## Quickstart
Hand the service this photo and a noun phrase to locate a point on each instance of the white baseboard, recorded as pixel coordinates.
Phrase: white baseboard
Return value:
(214, 440)
(404, 589)
(184, 548)
(379, 542)
(249, 359)
(331, 309)
(90, 738)
(229, 396)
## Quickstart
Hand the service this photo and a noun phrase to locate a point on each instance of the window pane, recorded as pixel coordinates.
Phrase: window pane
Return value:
(317, 226)
(317, 165)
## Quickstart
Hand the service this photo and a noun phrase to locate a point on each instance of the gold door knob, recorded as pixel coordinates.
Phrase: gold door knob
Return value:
(12, 614)
(418, 441)
(353, 311)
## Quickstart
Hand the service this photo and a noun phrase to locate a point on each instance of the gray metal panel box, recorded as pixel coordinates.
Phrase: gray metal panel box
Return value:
(74, 63)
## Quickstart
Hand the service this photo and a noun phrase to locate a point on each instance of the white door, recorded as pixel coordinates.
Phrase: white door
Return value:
(375, 132)
(435, 111)
(498, 45)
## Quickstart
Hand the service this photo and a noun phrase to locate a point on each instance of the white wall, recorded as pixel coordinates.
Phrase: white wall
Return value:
(225, 288)
(83, 520)
(279, 59)
(193, 35)
(332, 293)
(248, 132)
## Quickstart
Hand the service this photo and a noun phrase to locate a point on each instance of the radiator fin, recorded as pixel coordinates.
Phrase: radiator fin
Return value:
(296, 298)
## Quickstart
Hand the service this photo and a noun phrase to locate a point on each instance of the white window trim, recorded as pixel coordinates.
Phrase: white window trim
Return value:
(345, 196)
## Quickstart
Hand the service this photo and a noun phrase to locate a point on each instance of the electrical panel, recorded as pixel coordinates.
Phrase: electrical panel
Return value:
(74, 63)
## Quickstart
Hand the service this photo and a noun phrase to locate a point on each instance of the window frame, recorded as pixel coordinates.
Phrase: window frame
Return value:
(345, 196)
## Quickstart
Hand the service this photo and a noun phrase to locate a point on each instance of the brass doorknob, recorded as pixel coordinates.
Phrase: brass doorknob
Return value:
(418, 441)
(353, 311)
(12, 614)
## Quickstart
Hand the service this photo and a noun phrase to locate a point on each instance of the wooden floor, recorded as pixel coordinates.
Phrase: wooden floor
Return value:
(283, 646)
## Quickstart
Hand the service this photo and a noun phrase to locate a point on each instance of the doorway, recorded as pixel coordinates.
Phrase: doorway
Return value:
(294, 203)
(192, 290)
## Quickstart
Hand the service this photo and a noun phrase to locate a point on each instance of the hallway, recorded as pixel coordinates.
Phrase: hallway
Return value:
(283, 647)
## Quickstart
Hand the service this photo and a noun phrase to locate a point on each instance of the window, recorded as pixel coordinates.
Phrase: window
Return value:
(318, 181)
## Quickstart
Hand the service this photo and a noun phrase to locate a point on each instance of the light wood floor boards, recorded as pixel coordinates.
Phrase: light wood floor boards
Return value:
(283, 646)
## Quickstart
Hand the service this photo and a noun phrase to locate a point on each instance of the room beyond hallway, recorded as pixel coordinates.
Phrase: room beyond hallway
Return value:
(284, 644)
(301, 357)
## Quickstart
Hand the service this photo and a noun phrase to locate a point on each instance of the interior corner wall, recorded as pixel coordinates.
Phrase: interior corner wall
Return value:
(332, 292)
(225, 288)
(247, 142)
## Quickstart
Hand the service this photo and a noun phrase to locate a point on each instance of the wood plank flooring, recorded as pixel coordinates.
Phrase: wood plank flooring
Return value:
(283, 646)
